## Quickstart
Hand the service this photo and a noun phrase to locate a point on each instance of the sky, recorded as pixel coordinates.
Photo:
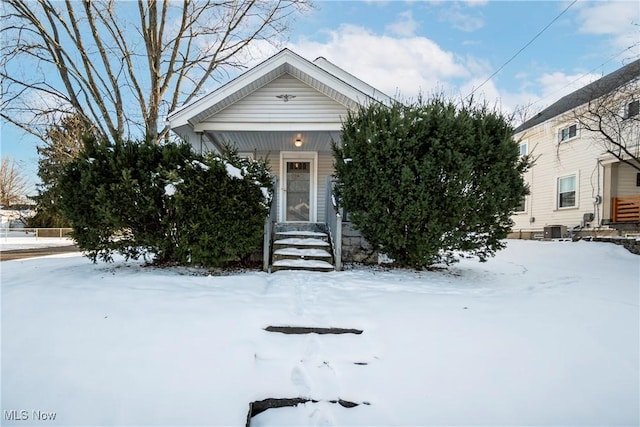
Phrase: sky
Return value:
(538, 50)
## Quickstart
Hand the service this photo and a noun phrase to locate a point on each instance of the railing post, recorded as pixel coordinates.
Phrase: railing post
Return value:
(338, 242)
(268, 229)
(266, 251)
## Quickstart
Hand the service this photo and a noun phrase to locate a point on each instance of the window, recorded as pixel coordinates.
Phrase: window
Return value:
(567, 191)
(522, 207)
(524, 148)
(567, 133)
(638, 180)
(632, 109)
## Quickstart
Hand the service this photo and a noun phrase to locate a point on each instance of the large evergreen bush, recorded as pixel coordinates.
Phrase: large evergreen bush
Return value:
(166, 202)
(426, 180)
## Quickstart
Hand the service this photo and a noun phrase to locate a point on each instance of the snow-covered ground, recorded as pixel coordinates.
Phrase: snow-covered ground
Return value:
(12, 240)
(546, 333)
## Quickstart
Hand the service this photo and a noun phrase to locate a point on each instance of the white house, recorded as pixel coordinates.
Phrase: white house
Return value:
(289, 110)
(575, 184)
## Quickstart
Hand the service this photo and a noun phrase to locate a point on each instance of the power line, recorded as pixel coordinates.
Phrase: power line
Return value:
(521, 49)
(550, 95)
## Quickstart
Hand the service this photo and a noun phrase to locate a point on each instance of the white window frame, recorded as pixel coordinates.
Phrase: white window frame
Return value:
(525, 206)
(524, 144)
(569, 138)
(576, 191)
(626, 108)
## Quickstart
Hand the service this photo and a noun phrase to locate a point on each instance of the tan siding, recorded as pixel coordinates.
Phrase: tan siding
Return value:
(627, 181)
(577, 156)
(308, 106)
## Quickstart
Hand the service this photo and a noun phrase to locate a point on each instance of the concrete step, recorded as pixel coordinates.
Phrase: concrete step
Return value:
(301, 246)
(300, 243)
(301, 264)
(301, 234)
(309, 254)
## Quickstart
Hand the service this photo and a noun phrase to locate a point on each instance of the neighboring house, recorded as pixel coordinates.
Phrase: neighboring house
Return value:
(575, 183)
(289, 110)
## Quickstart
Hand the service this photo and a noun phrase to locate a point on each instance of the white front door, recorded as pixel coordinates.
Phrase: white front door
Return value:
(298, 187)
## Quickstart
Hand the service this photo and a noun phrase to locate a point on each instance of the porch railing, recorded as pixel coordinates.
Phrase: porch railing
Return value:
(268, 229)
(626, 209)
(334, 222)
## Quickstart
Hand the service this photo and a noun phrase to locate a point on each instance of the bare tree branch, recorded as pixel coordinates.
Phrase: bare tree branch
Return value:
(122, 66)
(13, 184)
(614, 121)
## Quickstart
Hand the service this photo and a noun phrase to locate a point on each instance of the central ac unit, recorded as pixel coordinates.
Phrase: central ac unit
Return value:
(555, 231)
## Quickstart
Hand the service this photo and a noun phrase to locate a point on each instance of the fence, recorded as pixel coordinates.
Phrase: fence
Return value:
(626, 209)
(34, 232)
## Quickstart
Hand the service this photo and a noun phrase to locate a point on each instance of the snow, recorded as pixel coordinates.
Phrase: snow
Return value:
(170, 189)
(30, 241)
(303, 252)
(302, 233)
(300, 241)
(233, 171)
(199, 164)
(546, 333)
(306, 263)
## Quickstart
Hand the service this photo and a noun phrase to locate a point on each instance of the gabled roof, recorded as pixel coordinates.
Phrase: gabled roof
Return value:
(322, 75)
(592, 91)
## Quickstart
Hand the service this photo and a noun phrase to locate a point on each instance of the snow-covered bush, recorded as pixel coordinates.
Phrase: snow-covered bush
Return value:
(164, 201)
(425, 180)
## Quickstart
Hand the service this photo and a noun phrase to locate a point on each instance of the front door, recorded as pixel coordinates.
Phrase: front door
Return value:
(298, 203)
(298, 189)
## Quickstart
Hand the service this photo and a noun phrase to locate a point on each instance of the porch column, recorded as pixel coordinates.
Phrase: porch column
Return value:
(609, 191)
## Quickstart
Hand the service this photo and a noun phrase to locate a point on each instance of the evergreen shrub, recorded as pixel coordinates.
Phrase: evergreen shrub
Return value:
(166, 202)
(424, 181)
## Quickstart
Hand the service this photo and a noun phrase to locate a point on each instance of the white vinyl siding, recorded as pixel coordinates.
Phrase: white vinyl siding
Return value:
(325, 168)
(553, 161)
(627, 180)
(264, 106)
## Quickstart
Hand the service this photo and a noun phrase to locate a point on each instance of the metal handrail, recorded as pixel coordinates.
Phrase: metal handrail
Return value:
(268, 230)
(334, 221)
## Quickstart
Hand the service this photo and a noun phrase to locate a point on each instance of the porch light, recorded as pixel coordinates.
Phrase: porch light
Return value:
(298, 142)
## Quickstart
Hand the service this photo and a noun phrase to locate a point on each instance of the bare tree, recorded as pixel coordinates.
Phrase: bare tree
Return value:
(614, 118)
(13, 183)
(121, 66)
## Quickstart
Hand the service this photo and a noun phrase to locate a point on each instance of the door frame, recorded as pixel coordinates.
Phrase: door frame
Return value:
(300, 156)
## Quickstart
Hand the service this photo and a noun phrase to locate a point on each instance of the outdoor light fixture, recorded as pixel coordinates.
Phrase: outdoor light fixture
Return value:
(298, 141)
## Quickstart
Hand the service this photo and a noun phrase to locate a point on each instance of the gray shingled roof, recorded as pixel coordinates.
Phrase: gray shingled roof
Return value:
(581, 96)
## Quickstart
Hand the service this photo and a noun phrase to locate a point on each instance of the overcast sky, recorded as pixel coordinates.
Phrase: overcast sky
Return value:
(405, 48)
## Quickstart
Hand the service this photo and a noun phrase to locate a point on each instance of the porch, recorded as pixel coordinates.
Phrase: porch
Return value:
(312, 246)
(626, 209)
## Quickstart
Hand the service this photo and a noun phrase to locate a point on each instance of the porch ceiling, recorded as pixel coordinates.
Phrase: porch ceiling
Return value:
(274, 141)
